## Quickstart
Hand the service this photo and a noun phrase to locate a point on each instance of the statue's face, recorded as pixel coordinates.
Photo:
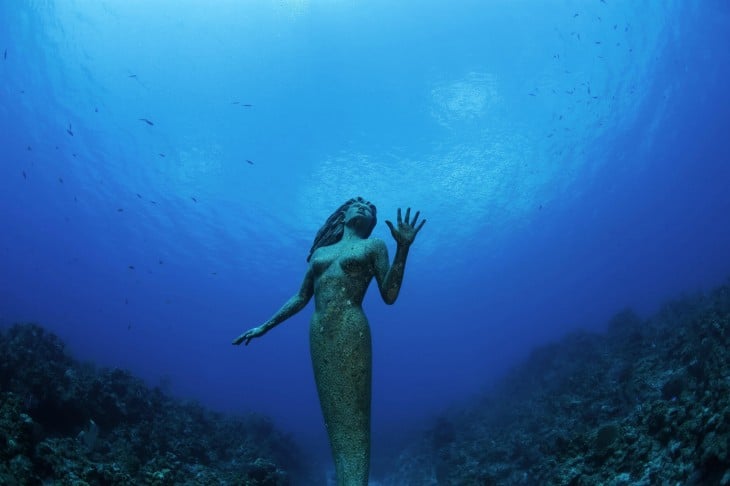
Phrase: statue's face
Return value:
(360, 212)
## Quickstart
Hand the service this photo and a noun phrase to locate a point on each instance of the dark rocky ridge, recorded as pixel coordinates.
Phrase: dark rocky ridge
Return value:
(647, 402)
(67, 423)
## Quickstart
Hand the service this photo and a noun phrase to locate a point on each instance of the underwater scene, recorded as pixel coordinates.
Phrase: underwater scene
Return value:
(336, 242)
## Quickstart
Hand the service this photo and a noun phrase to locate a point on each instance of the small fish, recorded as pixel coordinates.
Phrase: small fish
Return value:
(146, 121)
(139, 196)
(132, 76)
(575, 14)
(236, 103)
(597, 42)
(60, 179)
(247, 105)
(129, 327)
(25, 176)
(160, 262)
(75, 200)
(28, 148)
(531, 94)
(96, 110)
(5, 54)
(249, 161)
(153, 202)
(120, 210)
(214, 273)
(194, 200)
(161, 155)
(131, 267)
(69, 130)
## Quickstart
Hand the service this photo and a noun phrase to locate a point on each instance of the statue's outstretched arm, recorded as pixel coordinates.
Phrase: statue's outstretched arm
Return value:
(390, 277)
(291, 307)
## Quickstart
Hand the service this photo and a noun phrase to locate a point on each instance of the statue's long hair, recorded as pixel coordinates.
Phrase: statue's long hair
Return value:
(333, 229)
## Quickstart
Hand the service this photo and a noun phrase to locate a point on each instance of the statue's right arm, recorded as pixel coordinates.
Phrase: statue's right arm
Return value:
(296, 303)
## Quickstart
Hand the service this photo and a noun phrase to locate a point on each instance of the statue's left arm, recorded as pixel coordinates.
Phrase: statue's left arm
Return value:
(390, 277)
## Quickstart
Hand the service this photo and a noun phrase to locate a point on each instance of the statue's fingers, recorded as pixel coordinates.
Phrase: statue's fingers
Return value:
(415, 218)
(408, 215)
(390, 225)
(400, 220)
(420, 226)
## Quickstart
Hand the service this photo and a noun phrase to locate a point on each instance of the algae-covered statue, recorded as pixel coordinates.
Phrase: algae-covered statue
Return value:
(342, 262)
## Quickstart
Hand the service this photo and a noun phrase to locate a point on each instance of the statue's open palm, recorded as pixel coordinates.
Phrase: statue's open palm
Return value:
(407, 230)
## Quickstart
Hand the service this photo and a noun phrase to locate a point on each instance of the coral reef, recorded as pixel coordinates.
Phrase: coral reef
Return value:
(648, 402)
(67, 423)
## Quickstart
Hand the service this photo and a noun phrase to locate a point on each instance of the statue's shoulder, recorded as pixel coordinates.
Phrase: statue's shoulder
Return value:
(376, 244)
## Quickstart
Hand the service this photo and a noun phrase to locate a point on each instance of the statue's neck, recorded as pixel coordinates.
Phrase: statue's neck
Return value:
(352, 234)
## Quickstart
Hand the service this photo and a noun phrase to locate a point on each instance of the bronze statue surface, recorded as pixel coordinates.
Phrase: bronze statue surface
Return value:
(342, 263)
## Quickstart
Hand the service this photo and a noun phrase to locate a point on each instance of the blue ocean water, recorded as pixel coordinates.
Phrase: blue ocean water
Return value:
(165, 167)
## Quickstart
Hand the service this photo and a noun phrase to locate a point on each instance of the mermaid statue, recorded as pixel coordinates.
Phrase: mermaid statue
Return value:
(342, 262)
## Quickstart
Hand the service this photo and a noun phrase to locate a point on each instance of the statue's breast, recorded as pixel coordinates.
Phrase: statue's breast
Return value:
(352, 258)
(353, 265)
(321, 262)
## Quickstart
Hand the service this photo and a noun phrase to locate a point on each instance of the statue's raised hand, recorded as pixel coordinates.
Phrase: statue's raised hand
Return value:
(407, 230)
(249, 335)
